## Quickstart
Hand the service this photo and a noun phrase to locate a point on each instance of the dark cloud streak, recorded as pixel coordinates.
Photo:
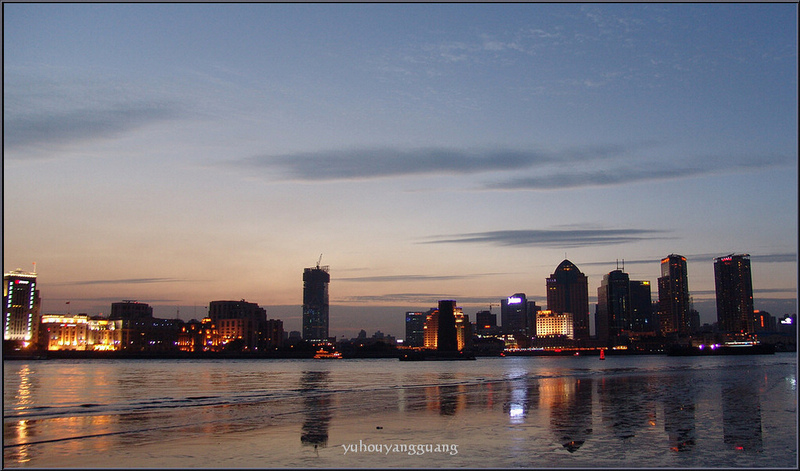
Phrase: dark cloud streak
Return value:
(123, 281)
(554, 170)
(381, 162)
(567, 238)
(402, 278)
(42, 128)
(637, 172)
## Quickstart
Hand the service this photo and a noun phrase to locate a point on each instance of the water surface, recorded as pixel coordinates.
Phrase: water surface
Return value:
(631, 411)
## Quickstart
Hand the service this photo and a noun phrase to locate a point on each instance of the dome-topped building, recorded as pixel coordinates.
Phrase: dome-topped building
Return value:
(568, 291)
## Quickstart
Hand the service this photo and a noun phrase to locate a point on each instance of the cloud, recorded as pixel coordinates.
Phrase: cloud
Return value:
(774, 258)
(386, 162)
(567, 238)
(420, 299)
(382, 162)
(81, 124)
(619, 173)
(765, 258)
(123, 281)
(526, 169)
(757, 258)
(45, 112)
(402, 278)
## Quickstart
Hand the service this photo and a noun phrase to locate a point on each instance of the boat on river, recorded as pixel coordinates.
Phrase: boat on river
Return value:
(323, 354)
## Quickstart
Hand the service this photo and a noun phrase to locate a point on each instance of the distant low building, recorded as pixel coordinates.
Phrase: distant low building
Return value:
(81, 332)
(238, 321)
(554, 324)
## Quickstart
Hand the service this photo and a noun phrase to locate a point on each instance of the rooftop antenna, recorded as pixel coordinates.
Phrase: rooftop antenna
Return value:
(34, 267)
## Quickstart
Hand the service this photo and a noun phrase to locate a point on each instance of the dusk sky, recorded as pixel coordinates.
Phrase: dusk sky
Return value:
(178, 154)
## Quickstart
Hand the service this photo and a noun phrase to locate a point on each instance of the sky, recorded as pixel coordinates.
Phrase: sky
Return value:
(178, 154)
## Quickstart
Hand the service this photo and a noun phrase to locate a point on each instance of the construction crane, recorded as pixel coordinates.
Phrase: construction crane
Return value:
(491, 305)
(319, 261)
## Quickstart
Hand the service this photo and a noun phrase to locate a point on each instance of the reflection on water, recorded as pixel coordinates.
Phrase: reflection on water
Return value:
(741, 417)
(700, 412)
(316, 408)
(626, 405)
(570, 403)
(679, 414)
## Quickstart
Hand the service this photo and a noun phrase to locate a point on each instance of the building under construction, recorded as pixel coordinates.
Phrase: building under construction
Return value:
(315, 303)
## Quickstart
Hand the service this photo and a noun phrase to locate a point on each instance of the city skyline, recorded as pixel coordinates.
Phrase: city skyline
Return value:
(181, 154)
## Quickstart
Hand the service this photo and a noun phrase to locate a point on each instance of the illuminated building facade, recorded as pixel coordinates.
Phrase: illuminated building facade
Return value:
(734, 289)
(415, 329)
(462, 329)
(104, 334)
(238, 321)
(199, 336)
(21, 304)
(68, 332)
(315, 303)
(673, 296)
(568, 292)
(81, 332)
(554, 324)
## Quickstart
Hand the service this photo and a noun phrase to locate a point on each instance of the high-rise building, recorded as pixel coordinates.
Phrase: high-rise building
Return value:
(673, 296)
(568, 291)
(447, 336)
(315, 303)
(613, 305)
(461, 327)
(415, 329)
(642, 307)
(21, 305)
(623, 305)
(734, 286)
(514, 314)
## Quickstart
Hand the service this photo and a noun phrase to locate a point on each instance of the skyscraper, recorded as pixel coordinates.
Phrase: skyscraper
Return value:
(642, 307)
(734, 286)
(613, 305)
(447, 337)
(673, 296)
(21, 304)
(568, 291)
(315, 303)
(623, 305)
(460, 327)
(514, 314)
(415, 329)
